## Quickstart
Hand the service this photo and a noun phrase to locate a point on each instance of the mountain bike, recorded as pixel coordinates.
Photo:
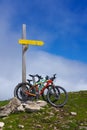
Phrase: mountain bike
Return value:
(29, 91)
(42, 87)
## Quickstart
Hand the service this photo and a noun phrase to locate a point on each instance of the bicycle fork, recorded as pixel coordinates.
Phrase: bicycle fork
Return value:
(56, 93)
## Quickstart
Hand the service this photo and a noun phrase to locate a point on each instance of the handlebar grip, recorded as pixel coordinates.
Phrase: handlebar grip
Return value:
(54, 76)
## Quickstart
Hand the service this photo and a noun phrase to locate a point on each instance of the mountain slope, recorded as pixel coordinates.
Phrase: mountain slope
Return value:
(52, 118)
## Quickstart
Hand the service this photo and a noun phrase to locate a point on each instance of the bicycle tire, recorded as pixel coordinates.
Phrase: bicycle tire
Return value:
(18, 91)
(57, 96)
(44, 94)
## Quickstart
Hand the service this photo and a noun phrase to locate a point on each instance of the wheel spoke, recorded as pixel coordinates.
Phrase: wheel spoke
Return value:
(57, 96)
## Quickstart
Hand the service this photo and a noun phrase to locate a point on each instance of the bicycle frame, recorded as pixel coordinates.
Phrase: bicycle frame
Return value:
(36, 86)
(48, 82)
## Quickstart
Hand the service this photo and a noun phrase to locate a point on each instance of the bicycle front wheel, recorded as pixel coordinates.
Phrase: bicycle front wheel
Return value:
(44, 94)
(57, 96)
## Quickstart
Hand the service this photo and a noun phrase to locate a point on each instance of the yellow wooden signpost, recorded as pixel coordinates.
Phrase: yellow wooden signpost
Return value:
(25, 43)
(30, 42)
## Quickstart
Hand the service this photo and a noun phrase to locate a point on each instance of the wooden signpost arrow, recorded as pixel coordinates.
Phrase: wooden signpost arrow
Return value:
(25, 43)
(31, 42)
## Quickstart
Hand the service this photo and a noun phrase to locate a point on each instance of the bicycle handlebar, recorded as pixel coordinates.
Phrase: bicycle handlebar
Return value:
(52, 78)
(38, 76)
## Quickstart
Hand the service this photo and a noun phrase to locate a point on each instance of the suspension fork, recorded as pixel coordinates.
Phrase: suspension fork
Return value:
(57, 93)
(53, 86)
(54, 89)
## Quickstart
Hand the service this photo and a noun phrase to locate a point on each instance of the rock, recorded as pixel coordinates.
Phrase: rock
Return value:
(55, 128)
(73, 113)
(41, 103)
(10, 107)
(21, 108)
(1, 125)
(32, 107)
(83, 127)
(21, 126)
(15, 105)
(51, 114)
(38, 126)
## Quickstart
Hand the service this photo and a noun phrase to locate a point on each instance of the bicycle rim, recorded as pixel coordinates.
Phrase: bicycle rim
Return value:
(20, 91)
(57, 96)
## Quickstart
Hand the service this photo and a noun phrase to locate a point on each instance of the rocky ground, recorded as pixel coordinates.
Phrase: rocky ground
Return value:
(73, 116)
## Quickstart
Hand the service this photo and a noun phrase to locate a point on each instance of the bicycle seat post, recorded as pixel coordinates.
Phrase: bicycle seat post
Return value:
(33, 79)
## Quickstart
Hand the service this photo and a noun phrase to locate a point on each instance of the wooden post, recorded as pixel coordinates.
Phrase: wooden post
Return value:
(24, 48)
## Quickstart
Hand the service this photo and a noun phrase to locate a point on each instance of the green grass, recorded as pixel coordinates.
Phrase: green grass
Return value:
(2, 103)
(51, 118)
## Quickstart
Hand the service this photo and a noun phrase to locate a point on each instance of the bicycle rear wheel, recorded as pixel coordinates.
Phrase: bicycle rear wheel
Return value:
(57, 96)
(19, 91)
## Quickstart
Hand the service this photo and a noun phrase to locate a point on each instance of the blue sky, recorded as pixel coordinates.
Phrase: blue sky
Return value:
(62, 25)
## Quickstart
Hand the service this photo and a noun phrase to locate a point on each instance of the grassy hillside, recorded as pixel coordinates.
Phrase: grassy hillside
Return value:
(51, 118)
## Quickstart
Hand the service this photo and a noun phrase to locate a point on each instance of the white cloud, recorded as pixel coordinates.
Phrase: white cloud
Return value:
(70, 74)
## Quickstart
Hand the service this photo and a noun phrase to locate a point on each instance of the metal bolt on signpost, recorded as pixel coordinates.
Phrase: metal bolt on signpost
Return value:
(25, 43)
